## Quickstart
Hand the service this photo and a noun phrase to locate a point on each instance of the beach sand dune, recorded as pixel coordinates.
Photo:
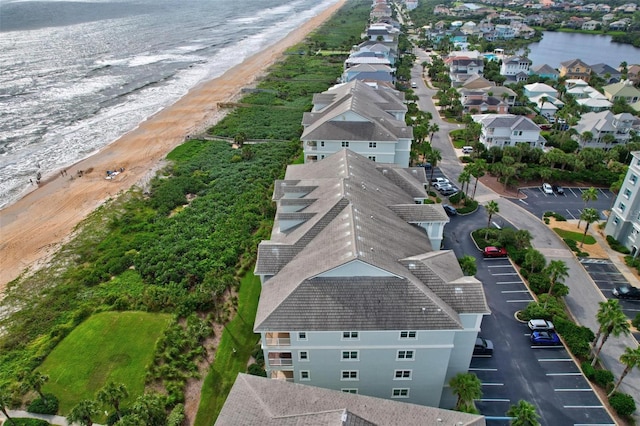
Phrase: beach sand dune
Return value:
(33, 227)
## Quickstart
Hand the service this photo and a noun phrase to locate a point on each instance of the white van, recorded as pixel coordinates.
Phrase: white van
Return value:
(467, 149)
(414, 84)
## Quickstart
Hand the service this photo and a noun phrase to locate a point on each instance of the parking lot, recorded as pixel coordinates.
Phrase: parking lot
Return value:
(570, 205)
(606, 276)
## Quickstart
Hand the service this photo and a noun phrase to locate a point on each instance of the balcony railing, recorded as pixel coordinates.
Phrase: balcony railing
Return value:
(280, 362)
(278, 341)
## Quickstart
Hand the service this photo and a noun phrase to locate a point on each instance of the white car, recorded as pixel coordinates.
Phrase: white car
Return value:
(414, 84)
(547, 189)
(540, 324)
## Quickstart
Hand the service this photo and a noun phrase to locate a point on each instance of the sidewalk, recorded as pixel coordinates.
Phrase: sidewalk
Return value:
(19, 414)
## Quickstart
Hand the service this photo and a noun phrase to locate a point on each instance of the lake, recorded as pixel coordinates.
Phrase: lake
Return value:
(556, 47)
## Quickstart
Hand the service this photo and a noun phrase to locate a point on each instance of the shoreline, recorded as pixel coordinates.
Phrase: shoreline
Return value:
(34, 227)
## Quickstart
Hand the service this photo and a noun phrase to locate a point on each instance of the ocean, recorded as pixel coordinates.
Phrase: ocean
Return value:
(76, 75)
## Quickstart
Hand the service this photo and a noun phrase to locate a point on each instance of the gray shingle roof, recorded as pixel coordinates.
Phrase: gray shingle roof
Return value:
(515, 122)
(256, 400)
(360, 215)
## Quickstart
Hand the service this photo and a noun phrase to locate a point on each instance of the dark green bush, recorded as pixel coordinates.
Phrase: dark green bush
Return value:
(616, 245)
(177, 416)
(256, 370)
(539, 283)
(588, 370)
(457, 197)
(603, 378)
(47, 405)
(517, 255)
(636, 321)
(556, 216)
(27, 422)
(469, 206)
(622, 403)
(578, 338)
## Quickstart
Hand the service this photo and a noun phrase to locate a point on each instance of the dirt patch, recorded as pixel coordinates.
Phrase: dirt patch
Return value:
(594, 250)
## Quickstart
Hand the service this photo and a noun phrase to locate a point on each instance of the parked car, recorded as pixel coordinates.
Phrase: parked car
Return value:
(540, 324)
(414, 84)
(449, 210)
(449, 191)
(494, 252)
(627, 292)
(439, 180)
(547, 189)
(442, 185)
(483, 347)
(545, 337)
(427, 166)
(467, 149)
(558, 189)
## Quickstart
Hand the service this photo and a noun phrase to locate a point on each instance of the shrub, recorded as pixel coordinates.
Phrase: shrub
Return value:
(588, 370)
(539, 283)
(615, 245)
(517, 256)
(622, 403)
(176, 417)
(256, 370)
(469, 206)
(457, 197)
(47, 405)
(547, 221)
(578, 338)
(636, 321)
(27, 422)
(556, 216)
(603, 378)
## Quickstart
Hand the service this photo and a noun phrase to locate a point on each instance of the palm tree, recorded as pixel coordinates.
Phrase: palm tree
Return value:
(586, 137)
(535, 260)
(468, 265)
(35, 381)
(477, 169)
(612, 321)
(557, 271)
(5, 400)
(468, 388)
(589, 216)
(112, 394)
(630, 358)
(433, 129)
(464, 177)
(433, 156)
(492, 208)
(590, 194)
(523, 414)
(150, 407)
(83, 412)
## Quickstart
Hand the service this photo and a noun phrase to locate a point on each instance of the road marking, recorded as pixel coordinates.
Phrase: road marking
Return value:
(574, 390)
(493, 384)
(554, 359)
(574, 194)
(572, 216)
(493, 400)
(514, 291)
(604, 193)
(500, 266)
(524, 202)
(564, 374)
(630, 310)
(483, 369)
(506, 273)
(593, 424)
(509, 282)
(520, 301)
(583, 406)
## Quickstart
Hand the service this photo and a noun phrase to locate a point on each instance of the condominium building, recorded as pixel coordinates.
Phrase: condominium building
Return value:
(624, 221)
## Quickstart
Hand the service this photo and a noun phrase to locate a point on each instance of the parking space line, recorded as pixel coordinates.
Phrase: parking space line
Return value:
(514, 291)
(483, 369)
(564, 374)
(492, 384)
(554, 359)
(506, 273)
(493, 400)
(594, 424)
(520, 301)
(574, 390)
(574, 194)
(583, 406)
(509, 282)
(603, 193)
(572, 216)
(500, 266)
(631, 310)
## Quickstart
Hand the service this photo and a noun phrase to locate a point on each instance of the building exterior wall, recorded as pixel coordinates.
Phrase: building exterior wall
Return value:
(393, 152)
(624, 221)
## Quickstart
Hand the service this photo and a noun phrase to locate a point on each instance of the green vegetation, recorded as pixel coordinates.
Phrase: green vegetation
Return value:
(575, 236)
(616, 245)
(108, 346)
(236, 345)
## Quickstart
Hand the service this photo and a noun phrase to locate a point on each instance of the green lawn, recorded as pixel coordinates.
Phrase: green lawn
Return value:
(576, 236)
(236, 344)
(114, 346)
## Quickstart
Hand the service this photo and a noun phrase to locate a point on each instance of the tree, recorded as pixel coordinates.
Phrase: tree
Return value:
(477, 171)
(523, 414)
(433, 129)
(150, 407)
(492, 208)
(612, 321)
(239, 139)
(35, 381)
(112, 394)
(590, 194)
(630, 358)
(83, 412)
(468, 265)
(534, 260)
(586, 137)
(5, 400)
(557, 271)
(468, 388)
(464, 177)
(589, 216)
(433, 156)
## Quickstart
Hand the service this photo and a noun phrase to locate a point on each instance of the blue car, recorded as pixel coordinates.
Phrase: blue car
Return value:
(544, 337)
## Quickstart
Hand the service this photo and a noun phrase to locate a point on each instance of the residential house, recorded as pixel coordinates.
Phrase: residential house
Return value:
(539, 89)
(461, 68)
(575, 69)
(633, 73)
(544, 71)
(480, 101)
(590, 25)
(508, 130)
(546, 99)
(587, 96)
(620, 25)
(369, 120)
(384, 32)
(624, 221)
(356, 295)
(601, 124)
(609, 74)
(622, 90)
(515, 68)
(369, 72)
(388, 50)
(255, 400)
(411, 4)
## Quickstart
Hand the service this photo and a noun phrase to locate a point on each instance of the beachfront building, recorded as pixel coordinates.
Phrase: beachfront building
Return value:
(255, 400)
(508, 130)
(356, 294)
(607, 129)
(575, 69)
(624, 221)
(367, 118)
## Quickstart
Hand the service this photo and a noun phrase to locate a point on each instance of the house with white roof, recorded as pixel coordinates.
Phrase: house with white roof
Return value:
(356, 295)
(366, 118)
(508, 130)
(587, 96)
(539, 89)
(601, 124)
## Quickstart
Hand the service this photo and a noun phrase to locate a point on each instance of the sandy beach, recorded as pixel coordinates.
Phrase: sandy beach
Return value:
(33, 228)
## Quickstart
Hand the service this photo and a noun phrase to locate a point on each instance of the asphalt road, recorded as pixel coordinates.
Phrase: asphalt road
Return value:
(545, 376)
(569, 205)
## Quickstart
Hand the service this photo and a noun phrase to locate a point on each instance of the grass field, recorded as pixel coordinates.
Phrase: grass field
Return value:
(232, 355)
(115, 346)
(576, 236)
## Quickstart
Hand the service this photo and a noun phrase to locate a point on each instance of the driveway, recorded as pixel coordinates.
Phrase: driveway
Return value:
(569, 205)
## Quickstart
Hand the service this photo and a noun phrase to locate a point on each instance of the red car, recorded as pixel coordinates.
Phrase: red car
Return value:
(494, 252)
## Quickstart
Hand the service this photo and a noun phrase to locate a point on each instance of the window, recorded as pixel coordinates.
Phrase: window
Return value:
(627, 193)
(621, 206)
(406, 354)
(633, 179)
(372, 157)
(322, 144)
(302, 335)
(349, 355)
(349, 374)
(303, 356)
(402, 375)
(349, 334)
(345, 144)
(407, 334)
(400, 393)
(616, 220)
(349, 390)
(517, 133)
(305, 375)
(373, 144)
